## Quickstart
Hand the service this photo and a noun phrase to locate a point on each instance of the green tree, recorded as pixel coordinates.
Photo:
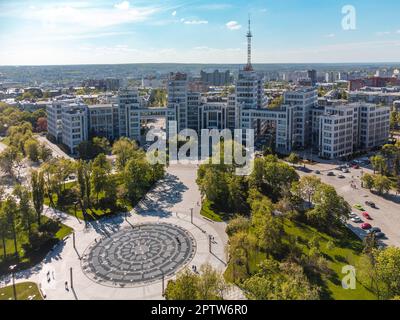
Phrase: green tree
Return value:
(382, 184)
(31, 148)
(137, 178)
(184, 287)
(241, 246)
(38, 191)
(387, 266)
(25, 209)
(123, 149)
(211, 284)
(367, 181)
(83, 173)
(237, 224)
(378, 163)
(101, 169)
(277, 176)
(267, 228)
(329, 207)
(8, 158)
(308, 185)
(45, 153)
(10, 208)
(280, 281)
(3, 230)
(293, 158)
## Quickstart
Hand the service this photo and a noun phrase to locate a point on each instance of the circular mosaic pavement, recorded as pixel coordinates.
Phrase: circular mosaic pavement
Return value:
(141, 254)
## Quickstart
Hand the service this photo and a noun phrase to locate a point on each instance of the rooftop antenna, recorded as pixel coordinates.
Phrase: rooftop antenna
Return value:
(249, 35)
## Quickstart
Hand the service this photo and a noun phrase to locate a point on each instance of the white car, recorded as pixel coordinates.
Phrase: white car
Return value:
(353, 215)
(356, 219)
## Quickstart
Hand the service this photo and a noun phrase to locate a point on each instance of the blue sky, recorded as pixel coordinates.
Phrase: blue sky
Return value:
(120, 31)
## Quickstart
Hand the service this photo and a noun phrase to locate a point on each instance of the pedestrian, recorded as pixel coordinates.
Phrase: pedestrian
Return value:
(66, 285)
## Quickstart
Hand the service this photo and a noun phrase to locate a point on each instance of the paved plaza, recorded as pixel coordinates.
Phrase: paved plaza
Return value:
(158, 236)
(138, 255)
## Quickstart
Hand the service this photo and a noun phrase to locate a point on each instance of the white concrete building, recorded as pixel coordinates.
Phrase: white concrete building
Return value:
(74, 125)
(54, 119)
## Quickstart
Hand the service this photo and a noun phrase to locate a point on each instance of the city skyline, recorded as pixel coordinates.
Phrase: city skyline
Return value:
(120, 31)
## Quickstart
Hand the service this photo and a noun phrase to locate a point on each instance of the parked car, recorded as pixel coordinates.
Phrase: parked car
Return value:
(353, 215)
(366, 215)
(371, 204)
(345, 170)
(356, 166)
(330, 174)
(356, 219)
(366, 226)
(374, 230)
(340, 176)
(379, 235)
(317, 172)
(359, 207)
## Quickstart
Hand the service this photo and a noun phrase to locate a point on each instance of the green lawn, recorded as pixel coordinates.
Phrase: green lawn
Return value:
(345, 252)
(30, 258)
(95, 212)
(209, 212)
(24, 291)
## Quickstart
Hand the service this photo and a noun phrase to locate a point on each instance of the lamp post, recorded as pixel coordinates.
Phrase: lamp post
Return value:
(71, 279)
(191, 215)
(12, 267)
(163, 285)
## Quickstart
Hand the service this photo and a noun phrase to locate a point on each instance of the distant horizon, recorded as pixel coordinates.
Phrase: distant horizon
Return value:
(391, 63)
(102, 32)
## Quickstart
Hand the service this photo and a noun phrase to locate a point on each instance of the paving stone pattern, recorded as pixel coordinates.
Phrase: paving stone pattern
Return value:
(138, 255)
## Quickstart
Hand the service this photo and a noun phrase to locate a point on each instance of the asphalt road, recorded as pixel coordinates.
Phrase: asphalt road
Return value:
(387, 214)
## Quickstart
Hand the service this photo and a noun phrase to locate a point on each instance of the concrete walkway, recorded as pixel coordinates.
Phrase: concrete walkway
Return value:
(170, 202)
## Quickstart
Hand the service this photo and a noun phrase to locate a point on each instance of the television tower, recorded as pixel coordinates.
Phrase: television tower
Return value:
(249, 35)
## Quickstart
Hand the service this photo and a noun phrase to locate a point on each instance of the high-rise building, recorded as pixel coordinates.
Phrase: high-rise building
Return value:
(74, 125)
(216, 78)
(177, 90)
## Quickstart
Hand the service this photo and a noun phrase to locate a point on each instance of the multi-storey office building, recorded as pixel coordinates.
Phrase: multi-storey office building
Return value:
(74, 125)
(54, 119)
(101, 120)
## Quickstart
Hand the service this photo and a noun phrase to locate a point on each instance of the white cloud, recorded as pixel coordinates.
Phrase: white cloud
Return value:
(174, 13)
(233, 25)
(124, 5)
(195, 21)
(88, 17)
(330, 35)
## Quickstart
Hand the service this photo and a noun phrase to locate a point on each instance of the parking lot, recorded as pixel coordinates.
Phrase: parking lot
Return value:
(386, 215)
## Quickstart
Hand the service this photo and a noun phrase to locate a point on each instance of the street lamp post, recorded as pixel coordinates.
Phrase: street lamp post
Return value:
(13, 280)
(163, 285)
(71, 279)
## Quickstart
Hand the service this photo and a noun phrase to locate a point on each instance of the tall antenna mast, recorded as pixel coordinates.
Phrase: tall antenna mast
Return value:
(249, 35)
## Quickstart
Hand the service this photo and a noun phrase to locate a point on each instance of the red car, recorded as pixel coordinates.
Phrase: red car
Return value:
(366, 226)
(366, 215)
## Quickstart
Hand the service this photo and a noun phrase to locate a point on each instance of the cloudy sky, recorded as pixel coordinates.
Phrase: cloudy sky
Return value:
(199, 31)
